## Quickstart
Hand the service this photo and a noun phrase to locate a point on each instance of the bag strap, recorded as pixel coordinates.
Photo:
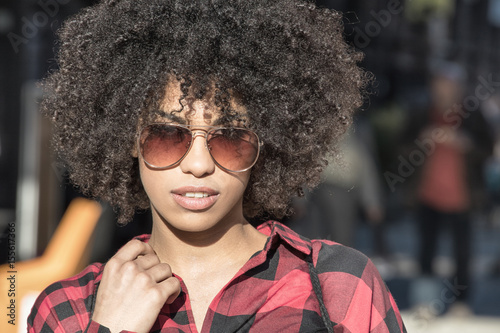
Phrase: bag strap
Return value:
(313, 273)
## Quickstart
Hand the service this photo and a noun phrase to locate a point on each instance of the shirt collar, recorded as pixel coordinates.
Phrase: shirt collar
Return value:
(277, 231)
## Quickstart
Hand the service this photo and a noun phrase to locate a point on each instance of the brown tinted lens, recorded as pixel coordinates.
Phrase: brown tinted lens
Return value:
(234, 149)
(164, 145)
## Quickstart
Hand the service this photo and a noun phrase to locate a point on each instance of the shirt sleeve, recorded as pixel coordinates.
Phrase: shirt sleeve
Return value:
(66, 306)
(356, 297)
(59, 309)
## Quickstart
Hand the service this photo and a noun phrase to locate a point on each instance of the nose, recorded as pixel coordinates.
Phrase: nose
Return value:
(198, 161)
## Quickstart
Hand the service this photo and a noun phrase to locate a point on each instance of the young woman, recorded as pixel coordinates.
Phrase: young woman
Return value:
(208, 112)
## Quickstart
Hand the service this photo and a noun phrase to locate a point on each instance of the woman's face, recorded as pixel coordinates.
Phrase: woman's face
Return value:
(194, 195)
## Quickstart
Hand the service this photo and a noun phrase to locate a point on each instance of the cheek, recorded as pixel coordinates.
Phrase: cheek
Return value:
(240, 181)
(149, 178)
(238, 188)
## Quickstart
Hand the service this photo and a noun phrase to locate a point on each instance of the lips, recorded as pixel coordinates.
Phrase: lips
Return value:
(195, 198)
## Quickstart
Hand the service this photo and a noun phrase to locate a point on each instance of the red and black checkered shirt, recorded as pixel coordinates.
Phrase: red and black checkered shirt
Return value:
(272, 292)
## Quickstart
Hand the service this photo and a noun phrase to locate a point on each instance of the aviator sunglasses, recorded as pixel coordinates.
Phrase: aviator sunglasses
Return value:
(164, 145)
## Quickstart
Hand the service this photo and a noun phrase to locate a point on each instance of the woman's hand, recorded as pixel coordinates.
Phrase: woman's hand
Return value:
(133, 289)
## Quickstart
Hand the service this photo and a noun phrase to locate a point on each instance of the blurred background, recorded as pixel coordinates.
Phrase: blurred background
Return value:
(417, 184)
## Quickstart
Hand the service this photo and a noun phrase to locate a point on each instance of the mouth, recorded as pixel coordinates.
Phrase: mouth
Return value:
(196, 195)
(195, 198)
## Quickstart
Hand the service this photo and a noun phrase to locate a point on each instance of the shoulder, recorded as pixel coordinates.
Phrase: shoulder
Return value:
(330, 256)
(69, 298)
(353, 290)
(343, 267)
(78, 286)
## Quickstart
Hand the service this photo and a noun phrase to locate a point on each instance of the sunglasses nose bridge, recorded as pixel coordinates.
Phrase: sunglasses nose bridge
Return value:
(203, 134)
(199, 133)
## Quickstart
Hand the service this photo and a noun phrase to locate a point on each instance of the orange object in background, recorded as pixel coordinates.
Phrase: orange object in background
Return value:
(65, 255)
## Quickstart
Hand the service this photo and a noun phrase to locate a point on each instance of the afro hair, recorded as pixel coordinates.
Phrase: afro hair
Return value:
(285, 60)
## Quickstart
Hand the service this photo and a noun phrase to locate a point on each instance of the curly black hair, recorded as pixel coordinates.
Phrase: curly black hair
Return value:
(285, 60)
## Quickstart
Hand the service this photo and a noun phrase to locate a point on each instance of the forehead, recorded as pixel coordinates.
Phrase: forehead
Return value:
(182, 107)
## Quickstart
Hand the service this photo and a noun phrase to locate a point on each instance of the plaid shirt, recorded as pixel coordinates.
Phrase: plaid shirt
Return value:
(272, 292)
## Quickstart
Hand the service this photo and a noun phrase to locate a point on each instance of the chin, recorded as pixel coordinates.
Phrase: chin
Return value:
(190, 222)
(193, 226)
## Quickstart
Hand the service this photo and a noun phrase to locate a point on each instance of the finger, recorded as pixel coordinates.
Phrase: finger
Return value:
(160, 272)
(172, 288)
(133, 249)
(147, 261)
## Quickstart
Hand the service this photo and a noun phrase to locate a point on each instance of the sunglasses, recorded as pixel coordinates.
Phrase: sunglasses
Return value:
(233, 149)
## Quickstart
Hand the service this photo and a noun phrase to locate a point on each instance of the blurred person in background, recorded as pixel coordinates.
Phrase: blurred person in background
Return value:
(450, 183)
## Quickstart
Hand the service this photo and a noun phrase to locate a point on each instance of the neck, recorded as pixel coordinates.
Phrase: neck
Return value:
(193, 253)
